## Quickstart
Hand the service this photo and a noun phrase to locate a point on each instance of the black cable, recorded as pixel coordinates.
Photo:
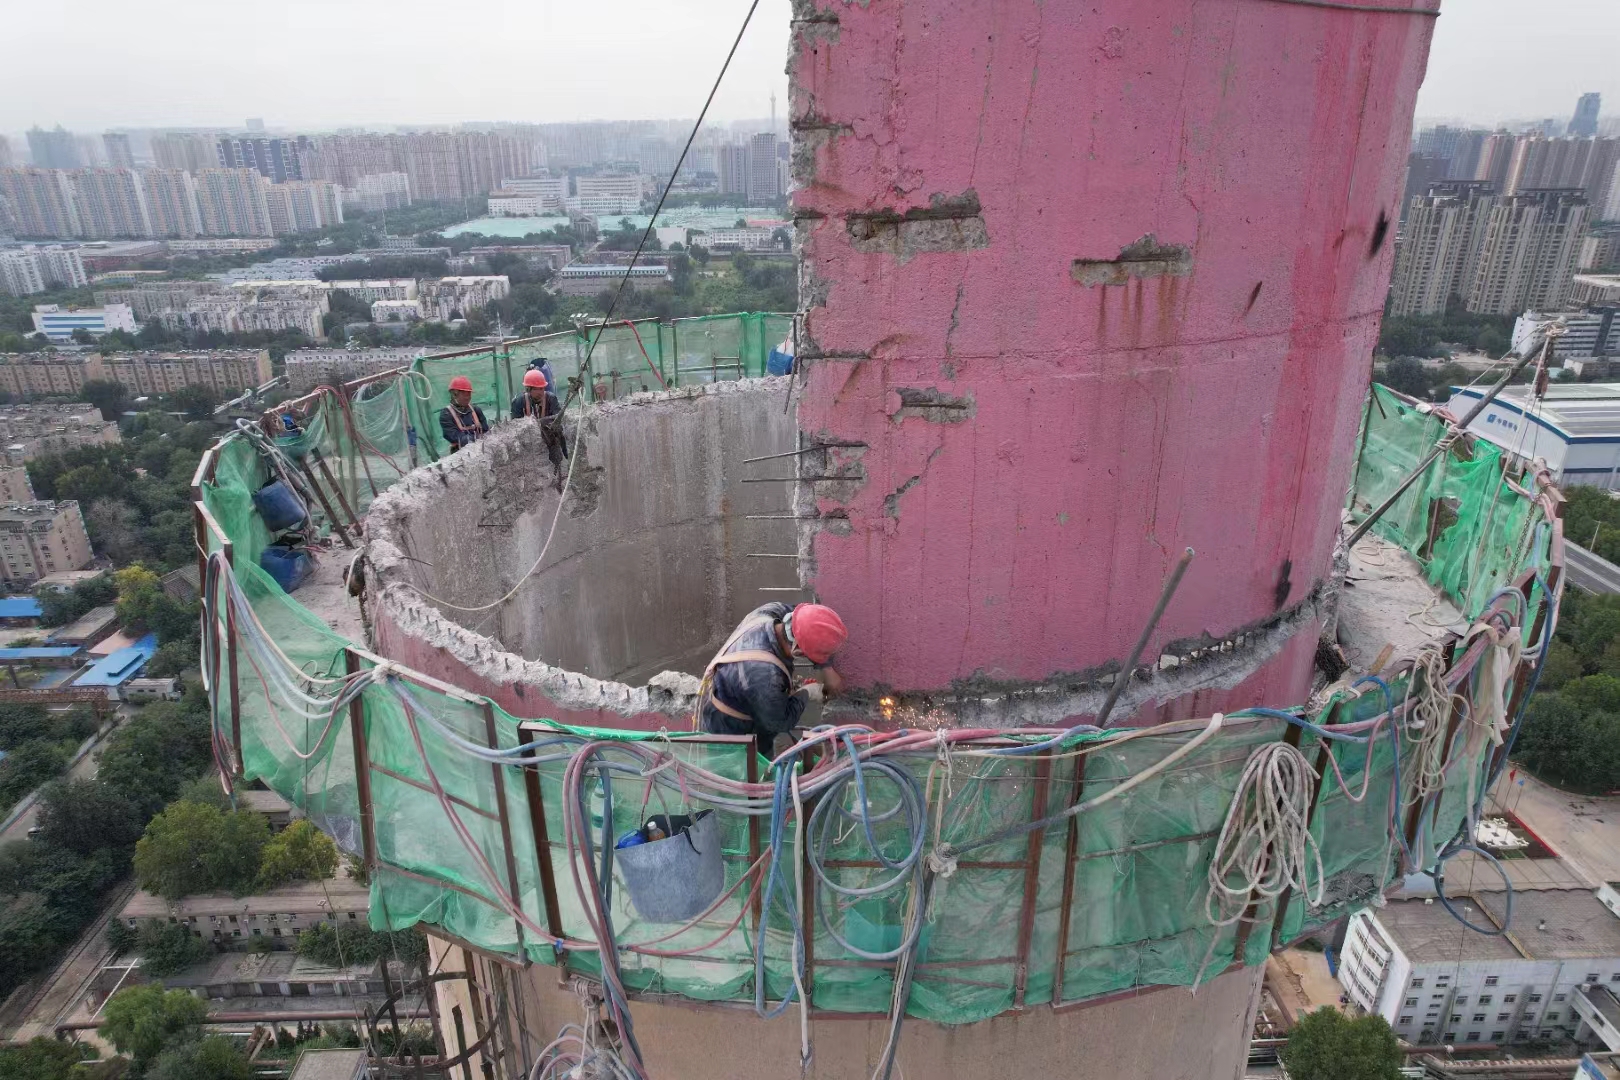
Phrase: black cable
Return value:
(585, 364)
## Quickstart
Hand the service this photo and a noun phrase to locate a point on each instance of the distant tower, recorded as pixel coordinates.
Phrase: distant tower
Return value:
(773, 112)
(1585, 120)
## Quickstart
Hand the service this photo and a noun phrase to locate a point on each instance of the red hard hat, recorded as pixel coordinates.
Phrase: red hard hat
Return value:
(461, 382)
(534, 377)
(817, 631)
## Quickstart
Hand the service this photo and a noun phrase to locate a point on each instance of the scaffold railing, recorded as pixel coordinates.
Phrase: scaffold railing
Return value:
(952, 875)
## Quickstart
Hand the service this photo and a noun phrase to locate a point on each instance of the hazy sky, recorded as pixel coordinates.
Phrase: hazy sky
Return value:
(318, 64)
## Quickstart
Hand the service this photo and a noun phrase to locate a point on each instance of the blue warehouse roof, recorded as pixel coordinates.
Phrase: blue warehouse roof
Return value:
(19, 607)
(59, 652)
(118, 668)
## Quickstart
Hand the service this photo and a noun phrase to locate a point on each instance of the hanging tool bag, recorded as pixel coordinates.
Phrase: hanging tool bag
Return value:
(677, 878)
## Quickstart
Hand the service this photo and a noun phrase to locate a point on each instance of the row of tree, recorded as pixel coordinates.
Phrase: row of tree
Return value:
(201, 847)
(53, 885)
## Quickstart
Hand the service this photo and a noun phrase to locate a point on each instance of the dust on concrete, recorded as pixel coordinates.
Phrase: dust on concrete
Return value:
(1385, 602)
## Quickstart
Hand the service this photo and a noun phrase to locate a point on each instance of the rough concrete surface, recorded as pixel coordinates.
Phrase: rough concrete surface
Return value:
(1385, 602)
(652, 563)
(1162, 323)
(1167, 1034)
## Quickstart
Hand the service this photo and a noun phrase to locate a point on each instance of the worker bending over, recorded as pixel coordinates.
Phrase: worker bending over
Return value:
(748, 688)
(462, 422)
(538, 402)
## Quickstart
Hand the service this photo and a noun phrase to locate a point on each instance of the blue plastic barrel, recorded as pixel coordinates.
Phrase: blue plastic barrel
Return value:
(279, 507)
(291, 567)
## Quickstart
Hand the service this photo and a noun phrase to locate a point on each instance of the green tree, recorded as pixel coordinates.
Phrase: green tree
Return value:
(28, 766)
(1327, 1045)
(108, 396)
(195, 401)
(212, 1058)
(151, 756)
(43, 1058)
(143, 605)
(167, 948)
(141, 1020)
(84, 816)
(172, 659)
(191, 848)
(300, 852)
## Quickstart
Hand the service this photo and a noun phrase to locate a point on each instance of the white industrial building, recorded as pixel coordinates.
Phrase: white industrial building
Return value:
(1595, 332)
(1553, 974)
(1575, 429)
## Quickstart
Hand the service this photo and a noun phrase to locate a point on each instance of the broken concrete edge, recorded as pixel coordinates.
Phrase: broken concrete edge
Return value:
(394, 594)
(1146, 258)
(1064, 700)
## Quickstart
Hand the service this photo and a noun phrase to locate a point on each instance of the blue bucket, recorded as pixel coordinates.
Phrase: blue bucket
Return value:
(291, 567)
(279, 507)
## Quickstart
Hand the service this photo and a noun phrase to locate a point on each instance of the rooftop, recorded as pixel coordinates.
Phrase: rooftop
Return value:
(87, 625)
(328, 1065)
(119, 667)
(1578, 925)
(19, 607)
(232, 967)
(1427, 934)
(1575, 410)
(341, 893)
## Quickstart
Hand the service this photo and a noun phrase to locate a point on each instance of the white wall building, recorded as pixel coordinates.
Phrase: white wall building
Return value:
(58, 323)
(505, 204)
(1435, 982)
(1575, 429)
(452, 297)
(396, 311)
(309, 368)
(1586, 333)
(552, 191)
(735, 239)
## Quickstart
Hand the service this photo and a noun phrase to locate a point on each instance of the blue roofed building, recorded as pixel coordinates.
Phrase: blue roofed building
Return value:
(19, 611)
(114, 671)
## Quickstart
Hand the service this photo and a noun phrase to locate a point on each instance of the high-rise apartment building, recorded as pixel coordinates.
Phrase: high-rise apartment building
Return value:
(303, 206)
(432, 160)
(6, 160)
(1585, 119)
(183, 150)
(37, 539)
(119, 153)
(764, 173)
(1529, 244)
(1539, 163)
(111, 203)
(732, 162)
(53, 149)
(20, 273)
(41, 201)
(377, 192)
(274, 159)
(171, 203)
(1439, 243)
(232, 202)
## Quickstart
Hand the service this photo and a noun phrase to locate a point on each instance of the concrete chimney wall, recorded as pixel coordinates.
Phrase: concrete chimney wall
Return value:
(1091, 283)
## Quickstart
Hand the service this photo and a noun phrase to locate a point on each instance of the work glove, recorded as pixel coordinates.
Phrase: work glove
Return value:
(811, 690)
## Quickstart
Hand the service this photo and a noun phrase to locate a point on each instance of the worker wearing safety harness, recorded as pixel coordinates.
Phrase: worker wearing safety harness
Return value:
(538, 402)
(748, 688)
(461, 422)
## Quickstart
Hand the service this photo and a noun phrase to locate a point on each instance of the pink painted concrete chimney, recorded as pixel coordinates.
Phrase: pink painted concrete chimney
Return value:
(1091, 283)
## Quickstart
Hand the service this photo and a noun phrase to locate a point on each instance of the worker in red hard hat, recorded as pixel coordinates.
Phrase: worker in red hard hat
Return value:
(462, 422)
(539, 402)
(749, 687)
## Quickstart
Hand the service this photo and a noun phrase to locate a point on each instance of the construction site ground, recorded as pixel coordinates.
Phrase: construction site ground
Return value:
(1301, 983)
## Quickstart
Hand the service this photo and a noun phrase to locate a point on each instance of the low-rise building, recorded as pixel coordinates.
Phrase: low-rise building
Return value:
(309, 368)
(330, 1065)
(15, 486)
(162, 371)
(449, 298)
(58, 323)
(249, 312)
(1595, 289)
(41, 538)
(734, 239)
(31, 431)
(396, 311)
(273, 975)
(234, 921)
(113, 673)
(50, 372)
(550, 256)
(373, 289)
(152, 690)
(89, 629)
(67, 580)
(1593, 332)
(508, 204)
(588, 279)
(1436, 982)
(149, 298)
(220, 245)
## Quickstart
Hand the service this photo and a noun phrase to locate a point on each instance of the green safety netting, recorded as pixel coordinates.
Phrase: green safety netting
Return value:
(1469, 526)
(997, 932)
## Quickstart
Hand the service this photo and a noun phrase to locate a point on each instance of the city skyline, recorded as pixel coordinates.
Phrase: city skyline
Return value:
(352, 74)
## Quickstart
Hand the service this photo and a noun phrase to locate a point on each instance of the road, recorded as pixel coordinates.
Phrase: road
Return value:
(84, 770)
(1588, 572)
(59, 993)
